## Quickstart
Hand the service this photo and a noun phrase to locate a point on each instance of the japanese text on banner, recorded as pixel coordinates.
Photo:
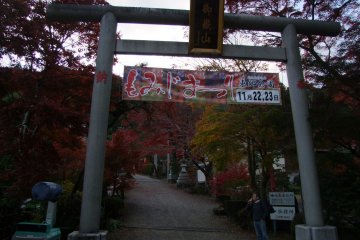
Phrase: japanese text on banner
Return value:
(173, 85)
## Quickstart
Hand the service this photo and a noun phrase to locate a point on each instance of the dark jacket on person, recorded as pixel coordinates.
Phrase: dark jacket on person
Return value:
(258, 209)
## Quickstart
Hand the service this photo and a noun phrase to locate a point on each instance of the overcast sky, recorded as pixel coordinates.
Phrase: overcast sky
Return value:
(169, 4)
(151, 32)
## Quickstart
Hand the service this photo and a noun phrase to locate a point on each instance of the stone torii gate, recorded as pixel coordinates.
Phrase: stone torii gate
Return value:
(109, 16)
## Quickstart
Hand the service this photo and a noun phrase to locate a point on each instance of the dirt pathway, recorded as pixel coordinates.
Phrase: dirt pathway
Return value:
(156, 210)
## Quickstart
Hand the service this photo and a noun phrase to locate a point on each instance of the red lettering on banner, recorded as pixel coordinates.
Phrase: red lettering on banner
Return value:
(150, 77)
(130, 88)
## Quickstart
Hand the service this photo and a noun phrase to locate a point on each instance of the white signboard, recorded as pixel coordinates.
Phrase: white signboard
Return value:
(201, 176)
(283, 213)
(258, 96)
(282, 198)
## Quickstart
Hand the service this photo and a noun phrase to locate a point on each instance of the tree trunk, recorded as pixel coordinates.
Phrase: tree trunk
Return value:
(251, 162)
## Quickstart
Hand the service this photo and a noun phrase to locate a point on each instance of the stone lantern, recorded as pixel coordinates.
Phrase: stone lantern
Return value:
(183, 179)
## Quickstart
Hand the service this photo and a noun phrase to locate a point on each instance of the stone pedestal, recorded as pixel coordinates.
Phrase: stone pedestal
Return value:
(76, 235)
(303, 232)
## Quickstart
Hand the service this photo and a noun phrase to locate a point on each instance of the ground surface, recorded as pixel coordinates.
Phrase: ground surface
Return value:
(156, 210)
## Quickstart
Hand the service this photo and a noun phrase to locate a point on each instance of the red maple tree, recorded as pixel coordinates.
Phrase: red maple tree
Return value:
(45, 94)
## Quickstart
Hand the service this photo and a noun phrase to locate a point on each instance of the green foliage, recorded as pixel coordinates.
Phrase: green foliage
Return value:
(340, 181)
(9, 212)
(112, 209)
(257, 134)
(11, 97)
(335, 124)
(174, 166)
(337, 134)
(34, 211)
(69, 208)
(113, 206)
(148, 169)
(199, 189)
(243, 218)
(5, 163)
(113, 224)
(216, 137)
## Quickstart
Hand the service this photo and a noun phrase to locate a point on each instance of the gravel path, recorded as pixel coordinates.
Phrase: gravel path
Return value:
(156, 210)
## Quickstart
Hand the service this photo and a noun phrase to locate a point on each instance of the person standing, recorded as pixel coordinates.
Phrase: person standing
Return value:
(259, 212)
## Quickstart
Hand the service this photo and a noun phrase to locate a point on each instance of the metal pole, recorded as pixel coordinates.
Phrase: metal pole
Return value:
(303, 136)
(95, 153)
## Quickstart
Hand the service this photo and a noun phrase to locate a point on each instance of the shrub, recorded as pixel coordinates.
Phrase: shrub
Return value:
(113, 206)
(9, 212)
(232, 182)
(339, 175)
(199, 189)
(147, 169)
(243, 218)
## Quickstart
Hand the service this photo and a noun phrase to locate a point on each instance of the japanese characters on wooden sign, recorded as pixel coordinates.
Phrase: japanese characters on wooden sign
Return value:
(174, 85)
(206, 26)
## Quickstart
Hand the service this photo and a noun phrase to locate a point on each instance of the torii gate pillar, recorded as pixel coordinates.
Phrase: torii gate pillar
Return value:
(95, 149)
(314, 228)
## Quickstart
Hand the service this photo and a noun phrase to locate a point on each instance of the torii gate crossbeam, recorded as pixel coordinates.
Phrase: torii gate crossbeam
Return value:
(91, 13)
(289, 28)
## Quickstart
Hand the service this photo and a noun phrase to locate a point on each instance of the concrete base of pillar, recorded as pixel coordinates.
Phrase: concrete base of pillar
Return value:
(303, 232)
(76, 235)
